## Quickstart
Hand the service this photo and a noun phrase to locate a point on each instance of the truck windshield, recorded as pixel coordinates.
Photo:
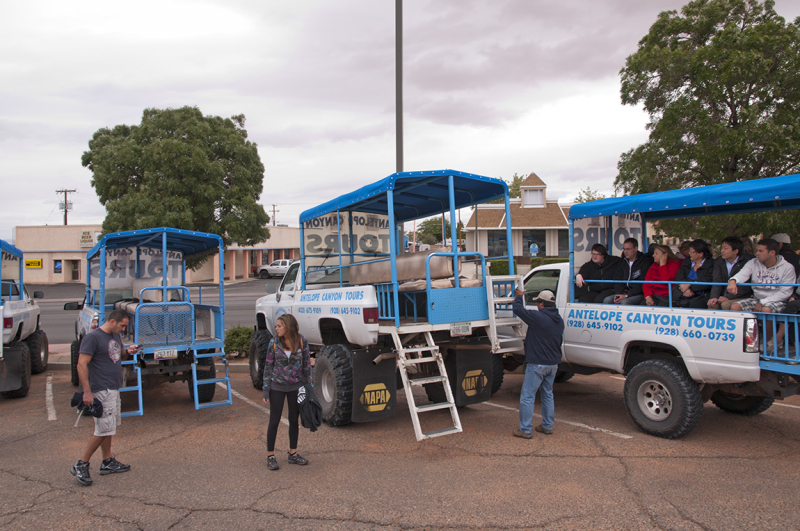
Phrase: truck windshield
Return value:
(539, 281)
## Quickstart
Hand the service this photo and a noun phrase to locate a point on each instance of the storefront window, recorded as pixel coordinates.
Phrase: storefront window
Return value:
(534, 240)
(497, 243)
(563, 243)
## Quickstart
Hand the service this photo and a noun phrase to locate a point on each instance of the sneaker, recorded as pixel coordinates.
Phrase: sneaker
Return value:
(81, 472)
(544, 430)
(112, 466)
(272, 463)
(523, 434)
(297, 459)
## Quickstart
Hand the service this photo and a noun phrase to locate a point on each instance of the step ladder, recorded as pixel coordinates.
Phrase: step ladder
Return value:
(211, 381)
(133, 388)
(407, 360)
(500, 294)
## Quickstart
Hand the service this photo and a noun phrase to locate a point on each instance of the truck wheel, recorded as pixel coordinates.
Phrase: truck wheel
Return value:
(510, 364)
(74, 353)
(563, 376)
(497, 372)
(741, 405)
(333, 383)
(662, 399)
(205, 393)
(25, 377)
(40, 351)
(258, 353)
(263, 273)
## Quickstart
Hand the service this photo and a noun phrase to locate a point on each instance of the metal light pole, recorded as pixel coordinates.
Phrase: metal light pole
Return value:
(398, 76)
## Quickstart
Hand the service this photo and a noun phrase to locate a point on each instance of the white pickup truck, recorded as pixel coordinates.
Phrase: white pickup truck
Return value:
(24, 350)
(674, 359)
(378, 319)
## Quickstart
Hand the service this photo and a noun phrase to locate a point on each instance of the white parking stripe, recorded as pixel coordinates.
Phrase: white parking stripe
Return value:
(576, 424)
(247, 400)
(786, 405)
(618, 378)
(48, 398)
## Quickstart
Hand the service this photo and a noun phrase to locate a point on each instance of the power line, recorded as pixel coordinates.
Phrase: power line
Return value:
(67, 204)
(273, 214)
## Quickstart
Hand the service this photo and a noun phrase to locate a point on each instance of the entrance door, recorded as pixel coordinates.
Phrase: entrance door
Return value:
(76, 269)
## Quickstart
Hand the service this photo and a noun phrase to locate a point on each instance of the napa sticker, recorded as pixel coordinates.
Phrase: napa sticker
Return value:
(375, 397)
(474, 382)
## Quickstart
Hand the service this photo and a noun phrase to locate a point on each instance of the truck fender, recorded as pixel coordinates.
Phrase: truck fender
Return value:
(645, 336)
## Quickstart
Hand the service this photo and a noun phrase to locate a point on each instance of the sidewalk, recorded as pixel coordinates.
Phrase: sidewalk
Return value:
(59, 360)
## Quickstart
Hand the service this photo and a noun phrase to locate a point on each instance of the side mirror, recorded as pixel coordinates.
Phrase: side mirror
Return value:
(73, 306)
(271, 288)
(38, 294)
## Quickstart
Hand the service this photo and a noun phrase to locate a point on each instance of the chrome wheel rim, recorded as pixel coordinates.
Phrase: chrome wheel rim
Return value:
(654, 400)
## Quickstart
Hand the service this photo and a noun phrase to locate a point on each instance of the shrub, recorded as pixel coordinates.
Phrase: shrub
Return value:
(237, 340)
(500, 267)
(537, 261)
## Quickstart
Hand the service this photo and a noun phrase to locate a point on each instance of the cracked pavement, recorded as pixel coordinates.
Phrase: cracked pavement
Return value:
(207, 469)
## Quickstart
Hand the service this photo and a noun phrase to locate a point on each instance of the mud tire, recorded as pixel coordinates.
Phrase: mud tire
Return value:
(25, 377)
(40, 351)
(258, 353)
(741, 405)
(333, 384)
(205, 393)
(74, 354)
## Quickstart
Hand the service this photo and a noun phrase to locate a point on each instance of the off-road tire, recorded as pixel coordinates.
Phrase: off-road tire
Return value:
(741, 405)
(435, 393)
(205, 393)
(74, 354)
(264, 274)
(40, 351)
(497, 372)
(563, 376)
(25, 378)
(510, 364)
(662, 399)
(333, 384)
(258, 353)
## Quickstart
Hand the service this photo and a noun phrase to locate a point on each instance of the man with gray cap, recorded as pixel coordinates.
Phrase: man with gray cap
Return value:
(542, 356)
(786, 250)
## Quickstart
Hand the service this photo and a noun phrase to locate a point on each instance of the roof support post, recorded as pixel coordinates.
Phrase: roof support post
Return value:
(509, 242)
(302, 257)
(164, 271)
(571, 261)
(393, 257)
(101, 314)
(453, 238)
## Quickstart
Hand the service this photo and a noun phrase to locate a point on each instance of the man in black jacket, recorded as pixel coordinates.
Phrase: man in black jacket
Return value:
(786, 250)
(634, 267)
(601, 266)
(732, 260)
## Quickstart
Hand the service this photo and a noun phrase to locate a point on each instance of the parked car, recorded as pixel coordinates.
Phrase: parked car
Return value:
(278, 268)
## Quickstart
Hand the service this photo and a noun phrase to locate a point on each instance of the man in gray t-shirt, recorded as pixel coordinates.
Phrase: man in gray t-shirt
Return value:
(100, 374)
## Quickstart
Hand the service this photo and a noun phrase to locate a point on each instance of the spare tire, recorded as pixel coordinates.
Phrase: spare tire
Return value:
(741, 405)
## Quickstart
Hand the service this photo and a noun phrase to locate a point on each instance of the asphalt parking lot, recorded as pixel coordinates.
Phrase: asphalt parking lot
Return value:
(207, 469)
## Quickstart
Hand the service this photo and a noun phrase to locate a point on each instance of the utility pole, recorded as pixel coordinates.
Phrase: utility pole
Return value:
(398, 76)
(273, 214)
(67, 205)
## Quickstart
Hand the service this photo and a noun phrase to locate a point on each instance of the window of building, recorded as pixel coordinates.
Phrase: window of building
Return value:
(533, 198)
(497, 243)
(563, 243)
(534, 243)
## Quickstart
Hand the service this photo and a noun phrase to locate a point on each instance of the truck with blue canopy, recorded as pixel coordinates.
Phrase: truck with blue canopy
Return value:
(24, 349)
(380, 318)
(181, 338)
(674, 358)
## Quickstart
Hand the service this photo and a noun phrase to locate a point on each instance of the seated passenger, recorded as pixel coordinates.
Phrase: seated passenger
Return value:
(600, 267)
(786, 250)
(635, 266)
(683, 250)
(665, 267)
(792, 308)
(768, 268)
(699, 267)
(731, 262)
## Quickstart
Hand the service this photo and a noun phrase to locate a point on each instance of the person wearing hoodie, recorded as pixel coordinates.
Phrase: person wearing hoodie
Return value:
(601, 266)
(635, 265)
(768, 268)
(542, 356)
(699, 267)
(786, 252)
(732, 260)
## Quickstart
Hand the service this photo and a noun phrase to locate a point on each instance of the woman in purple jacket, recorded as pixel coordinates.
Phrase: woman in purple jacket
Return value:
(286, 368)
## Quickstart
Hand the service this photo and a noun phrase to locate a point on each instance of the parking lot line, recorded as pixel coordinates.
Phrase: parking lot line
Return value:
(576, 424)
(48, 398)
(786, 405)
(248, 401)
(618, 378)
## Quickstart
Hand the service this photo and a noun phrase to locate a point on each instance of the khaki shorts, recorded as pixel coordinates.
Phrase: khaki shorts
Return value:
(106, 425)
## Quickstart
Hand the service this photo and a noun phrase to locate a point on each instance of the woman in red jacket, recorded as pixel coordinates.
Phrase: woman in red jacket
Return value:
(665, 267)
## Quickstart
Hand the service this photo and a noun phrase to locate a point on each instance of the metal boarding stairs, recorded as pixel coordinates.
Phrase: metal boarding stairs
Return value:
(500, 294)
(408, 358)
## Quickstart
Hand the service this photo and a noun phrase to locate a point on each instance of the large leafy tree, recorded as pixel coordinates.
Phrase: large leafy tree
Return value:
(721, 85)
(180, 169)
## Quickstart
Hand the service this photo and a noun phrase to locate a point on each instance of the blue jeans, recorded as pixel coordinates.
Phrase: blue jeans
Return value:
(537, 377)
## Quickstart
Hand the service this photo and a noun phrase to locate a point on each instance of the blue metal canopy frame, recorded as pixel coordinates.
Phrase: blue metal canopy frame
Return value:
(10, 249)
(757, 195)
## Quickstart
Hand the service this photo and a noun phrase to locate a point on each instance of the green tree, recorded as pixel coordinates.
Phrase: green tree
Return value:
(588, 194)
(430, 230)
(180, 169)
(514, 187)
(721, 85)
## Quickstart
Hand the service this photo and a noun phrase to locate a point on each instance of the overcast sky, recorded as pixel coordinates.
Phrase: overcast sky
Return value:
(491, 87)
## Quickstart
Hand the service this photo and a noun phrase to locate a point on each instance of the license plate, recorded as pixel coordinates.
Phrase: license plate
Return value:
(460, 329)
(169, 353)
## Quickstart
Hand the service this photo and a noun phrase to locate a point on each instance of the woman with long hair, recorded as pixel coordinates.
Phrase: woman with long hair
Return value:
(699, 267)
(286, 368)
(665, 267)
